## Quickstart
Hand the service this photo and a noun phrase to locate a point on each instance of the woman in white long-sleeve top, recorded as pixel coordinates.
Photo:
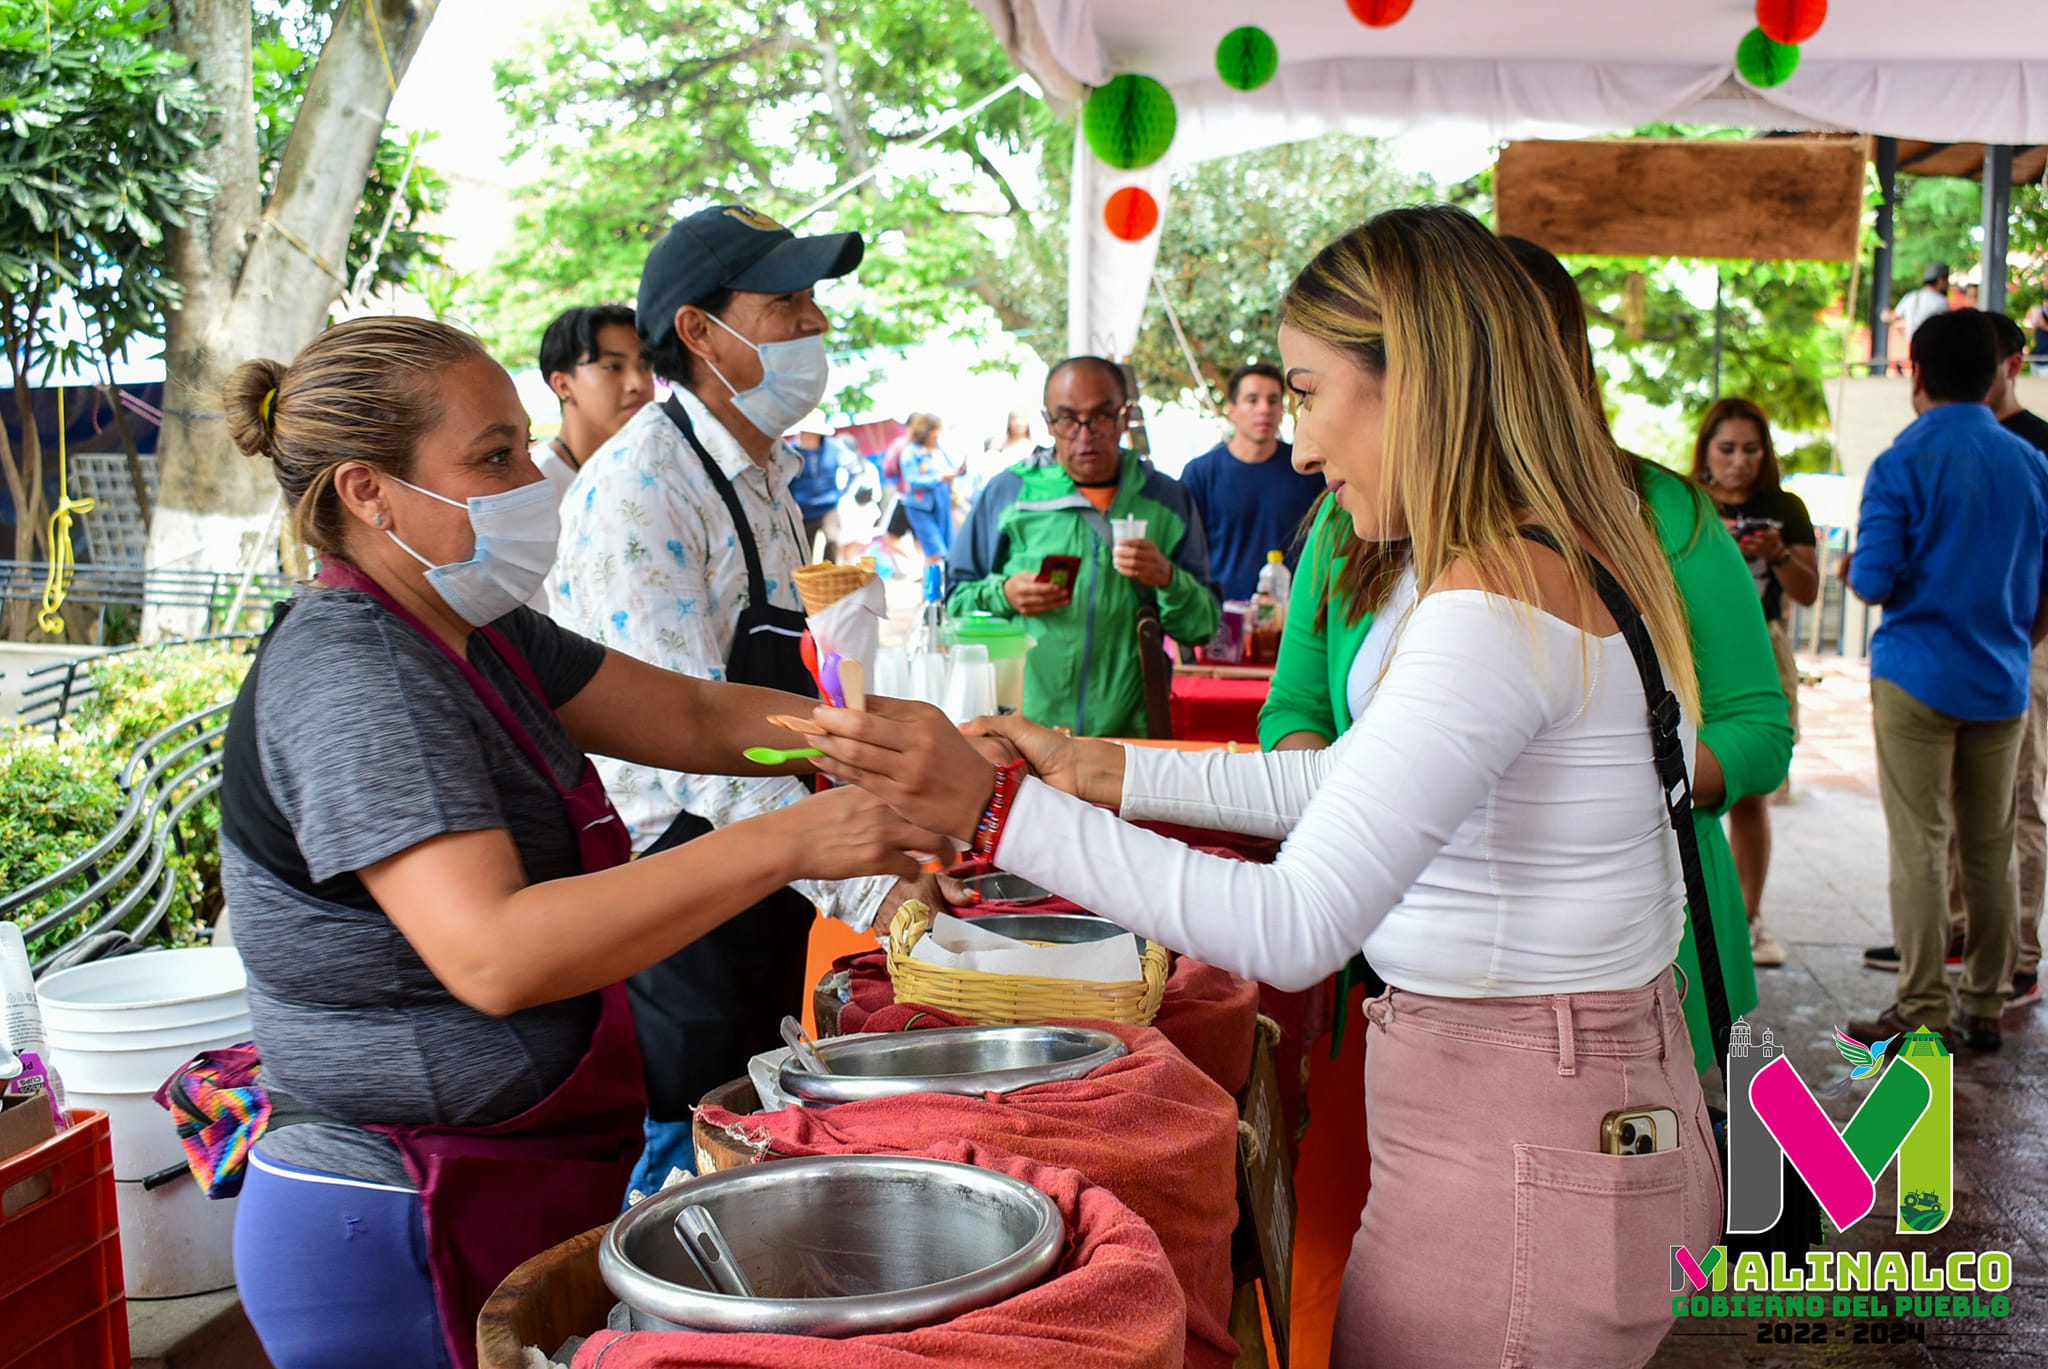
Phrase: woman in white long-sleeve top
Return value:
(1491, 831)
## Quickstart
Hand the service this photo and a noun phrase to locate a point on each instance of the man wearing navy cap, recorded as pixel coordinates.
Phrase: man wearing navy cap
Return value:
(678, 546)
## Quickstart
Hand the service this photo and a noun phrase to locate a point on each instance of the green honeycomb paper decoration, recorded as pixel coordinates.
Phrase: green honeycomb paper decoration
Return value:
(1129, 122)
(1247, 58)
(1765, 62)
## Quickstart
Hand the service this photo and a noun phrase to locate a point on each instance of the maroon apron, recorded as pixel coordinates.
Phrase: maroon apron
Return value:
(495, 1196)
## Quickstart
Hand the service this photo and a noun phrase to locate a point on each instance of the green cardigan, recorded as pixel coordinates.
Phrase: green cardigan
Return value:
(1746, 723)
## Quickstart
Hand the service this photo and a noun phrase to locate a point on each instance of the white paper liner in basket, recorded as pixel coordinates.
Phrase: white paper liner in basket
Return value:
(956, 943)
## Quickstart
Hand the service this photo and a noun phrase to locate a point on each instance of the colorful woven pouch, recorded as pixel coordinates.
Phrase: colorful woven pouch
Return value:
(221, 1110)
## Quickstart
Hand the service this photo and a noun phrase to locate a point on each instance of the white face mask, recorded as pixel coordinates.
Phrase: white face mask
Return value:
(515, 534)
(793, 377)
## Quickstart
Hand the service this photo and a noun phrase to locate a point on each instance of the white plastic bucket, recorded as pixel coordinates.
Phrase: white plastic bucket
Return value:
(152, 989)
(175, 1241)
(117, 1028)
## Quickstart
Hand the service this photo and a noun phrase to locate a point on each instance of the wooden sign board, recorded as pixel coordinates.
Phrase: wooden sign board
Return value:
(1265, 1186)
(1772, 199)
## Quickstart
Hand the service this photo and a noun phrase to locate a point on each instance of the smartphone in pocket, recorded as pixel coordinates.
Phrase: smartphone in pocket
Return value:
(1061, 571)
(1639, 1131)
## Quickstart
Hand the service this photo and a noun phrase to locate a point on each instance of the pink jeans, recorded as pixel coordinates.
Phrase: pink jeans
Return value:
(1497, 1232)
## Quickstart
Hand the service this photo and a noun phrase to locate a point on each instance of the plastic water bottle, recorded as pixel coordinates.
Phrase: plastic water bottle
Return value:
(924, 651)
(1269, 608)
(931, 617)
(24, 1050)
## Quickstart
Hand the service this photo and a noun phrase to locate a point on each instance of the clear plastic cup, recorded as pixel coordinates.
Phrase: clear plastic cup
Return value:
(1128, 529)
(892, 673)
(970, 683)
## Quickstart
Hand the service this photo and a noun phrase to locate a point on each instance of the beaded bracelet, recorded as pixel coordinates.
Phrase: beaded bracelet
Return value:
(988, 832)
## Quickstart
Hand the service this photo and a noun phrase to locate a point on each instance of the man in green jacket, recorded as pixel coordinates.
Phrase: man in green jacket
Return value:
(1085, 672)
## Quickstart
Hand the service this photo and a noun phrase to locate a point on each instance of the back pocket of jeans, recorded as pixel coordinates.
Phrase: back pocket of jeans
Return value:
(1593, 1238)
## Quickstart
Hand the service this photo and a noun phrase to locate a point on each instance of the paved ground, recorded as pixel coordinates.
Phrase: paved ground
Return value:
(1826, 900)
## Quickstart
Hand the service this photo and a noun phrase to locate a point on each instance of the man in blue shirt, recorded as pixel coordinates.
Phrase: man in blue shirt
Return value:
(1251, 498)
(1953, 543)
(829, 463)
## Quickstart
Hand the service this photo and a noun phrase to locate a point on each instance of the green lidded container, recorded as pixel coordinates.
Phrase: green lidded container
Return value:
(1007, 642)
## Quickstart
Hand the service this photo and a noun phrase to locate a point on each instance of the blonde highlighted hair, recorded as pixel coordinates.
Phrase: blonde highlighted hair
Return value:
(1486, 423)
(366, 390)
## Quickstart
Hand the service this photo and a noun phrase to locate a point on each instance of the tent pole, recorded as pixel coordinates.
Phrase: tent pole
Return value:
(1997, 225)
(1718, 314)
(1186, 350)
(1080, 251)
(1881, 268)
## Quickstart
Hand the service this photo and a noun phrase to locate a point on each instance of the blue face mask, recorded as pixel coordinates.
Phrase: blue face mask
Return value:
(793, 379)
(515, 533)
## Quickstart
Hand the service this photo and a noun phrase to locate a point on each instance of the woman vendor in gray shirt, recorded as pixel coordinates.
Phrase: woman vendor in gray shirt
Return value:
(431, 891)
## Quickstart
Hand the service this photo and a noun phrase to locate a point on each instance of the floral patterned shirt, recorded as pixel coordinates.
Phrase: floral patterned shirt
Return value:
(649, 563)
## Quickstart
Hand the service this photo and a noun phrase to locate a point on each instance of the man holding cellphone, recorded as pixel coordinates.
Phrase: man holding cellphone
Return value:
(1041, 543)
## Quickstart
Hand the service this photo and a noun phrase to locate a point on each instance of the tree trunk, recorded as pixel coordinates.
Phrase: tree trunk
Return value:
(24, 473)
(260, 276)
(145, 498)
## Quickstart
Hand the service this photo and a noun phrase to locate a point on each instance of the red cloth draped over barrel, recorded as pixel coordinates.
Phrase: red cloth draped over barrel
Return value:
(1150, 1127)
(1112, 1303)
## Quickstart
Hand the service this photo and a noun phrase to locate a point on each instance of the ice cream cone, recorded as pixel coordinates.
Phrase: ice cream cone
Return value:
(822, 586)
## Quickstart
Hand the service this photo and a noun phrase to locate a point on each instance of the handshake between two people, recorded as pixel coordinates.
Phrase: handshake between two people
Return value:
(939, 778)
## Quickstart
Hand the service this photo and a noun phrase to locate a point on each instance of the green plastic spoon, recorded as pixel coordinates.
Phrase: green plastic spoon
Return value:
(768, 755)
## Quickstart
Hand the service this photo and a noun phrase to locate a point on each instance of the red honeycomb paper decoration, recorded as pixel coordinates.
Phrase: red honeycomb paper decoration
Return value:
(1378, 14)
(1131, 214)
(1790, 21)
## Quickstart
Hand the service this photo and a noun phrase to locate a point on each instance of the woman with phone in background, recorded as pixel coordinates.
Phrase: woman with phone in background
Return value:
(1492, 830)
(1734, 458)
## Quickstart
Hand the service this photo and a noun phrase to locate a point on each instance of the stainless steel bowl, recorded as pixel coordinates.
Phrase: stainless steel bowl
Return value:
(1062, 929)
(999, 886)
(964, 1060)
(838, 1245)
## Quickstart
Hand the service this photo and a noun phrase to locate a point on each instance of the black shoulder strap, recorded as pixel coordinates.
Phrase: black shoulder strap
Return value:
(1669, 752)
(757, 583)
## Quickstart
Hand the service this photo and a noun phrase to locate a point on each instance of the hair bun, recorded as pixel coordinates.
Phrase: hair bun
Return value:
(250, 401)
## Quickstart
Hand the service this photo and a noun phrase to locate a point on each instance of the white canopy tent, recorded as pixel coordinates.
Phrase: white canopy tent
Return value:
(1958, 71)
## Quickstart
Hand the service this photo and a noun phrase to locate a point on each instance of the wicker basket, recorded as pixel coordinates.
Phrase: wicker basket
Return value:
(1015, 999)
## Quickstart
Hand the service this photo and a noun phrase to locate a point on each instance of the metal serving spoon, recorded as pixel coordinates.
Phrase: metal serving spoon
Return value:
(698, 1230)
(802, 1047)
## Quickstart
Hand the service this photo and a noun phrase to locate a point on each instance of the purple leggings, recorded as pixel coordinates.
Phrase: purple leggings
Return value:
(333, 1271)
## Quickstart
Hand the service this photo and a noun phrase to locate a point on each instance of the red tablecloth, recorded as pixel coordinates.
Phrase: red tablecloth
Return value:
(1208, 710)
(1113, 1303)
(1150, 1127)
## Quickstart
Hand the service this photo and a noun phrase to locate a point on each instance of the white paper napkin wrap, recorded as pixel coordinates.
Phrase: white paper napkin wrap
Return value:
(853, 626)
(959, 944)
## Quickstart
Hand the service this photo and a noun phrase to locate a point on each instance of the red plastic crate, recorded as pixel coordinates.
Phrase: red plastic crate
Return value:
(61, 1299)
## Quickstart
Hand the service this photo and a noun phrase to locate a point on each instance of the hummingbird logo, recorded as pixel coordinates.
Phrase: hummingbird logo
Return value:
(1864, 1061)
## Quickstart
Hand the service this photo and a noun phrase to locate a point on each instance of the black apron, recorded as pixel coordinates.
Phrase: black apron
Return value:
(703, 1012)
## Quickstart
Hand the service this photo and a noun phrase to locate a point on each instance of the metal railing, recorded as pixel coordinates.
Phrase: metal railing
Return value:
(130, 880)
(103, 586)
(57, 688)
